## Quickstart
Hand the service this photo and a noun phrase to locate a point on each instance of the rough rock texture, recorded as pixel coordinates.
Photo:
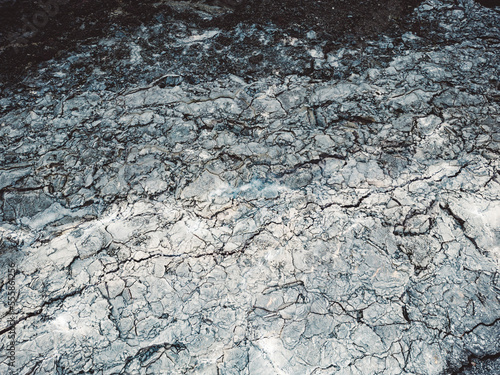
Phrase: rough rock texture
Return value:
(31, 33)
(339, 220)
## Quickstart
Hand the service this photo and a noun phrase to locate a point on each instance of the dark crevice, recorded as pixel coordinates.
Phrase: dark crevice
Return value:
(461, 223)
(473, 362)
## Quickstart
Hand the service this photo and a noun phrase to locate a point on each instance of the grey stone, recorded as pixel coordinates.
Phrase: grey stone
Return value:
(285, 225)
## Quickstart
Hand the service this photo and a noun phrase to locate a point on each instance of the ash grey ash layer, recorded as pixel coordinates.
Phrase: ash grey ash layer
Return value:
(285, 225)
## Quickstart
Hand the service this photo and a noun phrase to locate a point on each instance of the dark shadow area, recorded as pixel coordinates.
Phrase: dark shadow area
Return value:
(32, 32)
(334, 19)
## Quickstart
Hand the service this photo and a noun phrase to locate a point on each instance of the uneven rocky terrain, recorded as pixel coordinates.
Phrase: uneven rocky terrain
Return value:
(183, 198)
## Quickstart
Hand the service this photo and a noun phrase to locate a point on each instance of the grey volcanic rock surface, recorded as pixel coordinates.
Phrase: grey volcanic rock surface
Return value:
(334, 211)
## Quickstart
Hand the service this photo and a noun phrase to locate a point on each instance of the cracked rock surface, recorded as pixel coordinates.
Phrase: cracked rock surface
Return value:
(339, 220)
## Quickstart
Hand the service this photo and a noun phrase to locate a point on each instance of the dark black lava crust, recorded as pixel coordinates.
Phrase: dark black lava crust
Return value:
(77, 21)
(335, 19)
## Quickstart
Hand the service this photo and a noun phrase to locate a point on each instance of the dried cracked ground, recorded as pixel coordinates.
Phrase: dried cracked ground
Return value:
(179, 198)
